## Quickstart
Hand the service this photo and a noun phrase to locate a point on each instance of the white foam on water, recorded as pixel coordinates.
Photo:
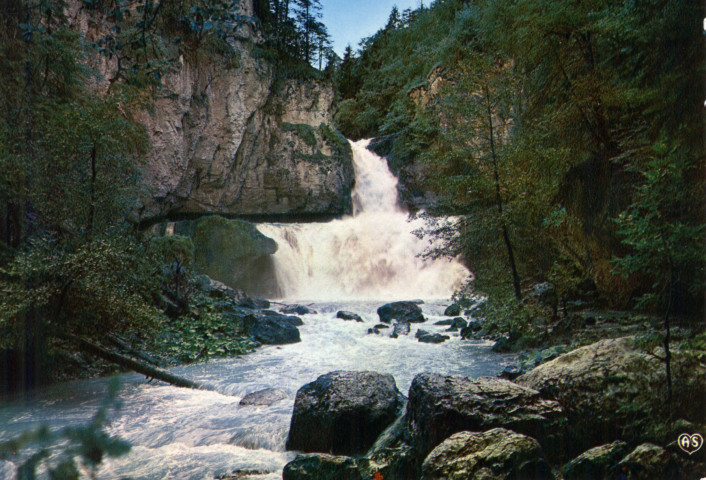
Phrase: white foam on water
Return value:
(372, 254)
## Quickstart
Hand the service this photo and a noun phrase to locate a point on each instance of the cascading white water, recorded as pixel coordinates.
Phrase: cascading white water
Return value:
(372, 254)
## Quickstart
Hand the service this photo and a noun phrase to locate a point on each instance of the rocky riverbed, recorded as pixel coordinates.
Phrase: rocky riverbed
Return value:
(597, 412)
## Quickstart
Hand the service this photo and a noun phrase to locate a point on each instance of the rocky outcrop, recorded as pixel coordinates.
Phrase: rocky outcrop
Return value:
(231, 135)
(497, 454)
(343, 412)
(321, 467)
(401, 311)
(607, 387)
(440, 406)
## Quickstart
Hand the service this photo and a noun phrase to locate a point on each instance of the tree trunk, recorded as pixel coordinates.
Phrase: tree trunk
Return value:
(499, 201)
(132, 364)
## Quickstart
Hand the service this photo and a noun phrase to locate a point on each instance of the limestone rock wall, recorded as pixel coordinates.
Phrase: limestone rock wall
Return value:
(231, 137)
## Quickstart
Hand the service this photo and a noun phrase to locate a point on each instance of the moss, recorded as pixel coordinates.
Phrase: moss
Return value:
(336, 141)
(223, 248)
(306, 132)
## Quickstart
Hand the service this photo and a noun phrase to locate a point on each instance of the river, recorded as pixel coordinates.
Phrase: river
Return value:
(357, 264)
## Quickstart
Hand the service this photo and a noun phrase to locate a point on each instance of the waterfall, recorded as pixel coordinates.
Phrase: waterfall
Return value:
(371, 254)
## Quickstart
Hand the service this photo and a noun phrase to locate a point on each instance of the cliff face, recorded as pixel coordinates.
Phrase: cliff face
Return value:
(227, 141)
(229, 138)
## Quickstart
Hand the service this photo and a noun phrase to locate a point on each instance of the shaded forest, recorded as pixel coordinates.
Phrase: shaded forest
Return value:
(567, 138)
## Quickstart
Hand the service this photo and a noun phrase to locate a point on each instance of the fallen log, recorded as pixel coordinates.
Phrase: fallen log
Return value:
(135, 365)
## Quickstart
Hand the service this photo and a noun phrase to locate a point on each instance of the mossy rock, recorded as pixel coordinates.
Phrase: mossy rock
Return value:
(231, 251)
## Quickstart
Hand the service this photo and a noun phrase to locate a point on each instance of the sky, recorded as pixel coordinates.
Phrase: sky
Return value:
(349, 21)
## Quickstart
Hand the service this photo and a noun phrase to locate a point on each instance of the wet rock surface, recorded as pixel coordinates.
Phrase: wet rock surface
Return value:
(264, 397)
(440, 406)
(343, 412)
(272, 328)
(402, 312)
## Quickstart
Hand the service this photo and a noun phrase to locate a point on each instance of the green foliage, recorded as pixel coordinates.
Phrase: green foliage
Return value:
(62, 452)
(334, 139)
(580, 99)
(173, 249)
(296, 36)
(304, 131)
(663, 228)
(204, 332)
(71, 159)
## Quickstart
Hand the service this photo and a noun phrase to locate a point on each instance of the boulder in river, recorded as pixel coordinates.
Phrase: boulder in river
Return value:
(272, 328)
(321, 466)
(441, 405)
(343, 412)
(453, 310)
(647, 462)
(433, 338)
(264, 397)
(457, 324)
(342, 314)
(497, 454)
(297, 310)
(402, 312)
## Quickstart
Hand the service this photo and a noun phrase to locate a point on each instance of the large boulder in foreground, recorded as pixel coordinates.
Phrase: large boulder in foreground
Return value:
(607, 387)
(272, 328)
(402, 312)
(321, 466)
(343, 412)
(440, 406)
(496, 454)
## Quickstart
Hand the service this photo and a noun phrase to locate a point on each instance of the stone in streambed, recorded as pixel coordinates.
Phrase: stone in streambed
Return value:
(343, 412)
(344, 315)
(297, 310)
(453, 310)
(402, 312)
(264, 397)
(457, 324)
(433, 338)
(272, 328)
(598, 463)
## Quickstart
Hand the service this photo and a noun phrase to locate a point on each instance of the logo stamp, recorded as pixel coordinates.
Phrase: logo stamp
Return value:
(690, 443)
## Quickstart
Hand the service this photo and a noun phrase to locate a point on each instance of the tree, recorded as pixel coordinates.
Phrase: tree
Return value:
(70, 158)
(663, 229)
(311, 30)
(475, 111)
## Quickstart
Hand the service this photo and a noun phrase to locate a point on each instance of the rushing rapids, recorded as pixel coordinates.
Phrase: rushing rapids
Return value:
(355, 264)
